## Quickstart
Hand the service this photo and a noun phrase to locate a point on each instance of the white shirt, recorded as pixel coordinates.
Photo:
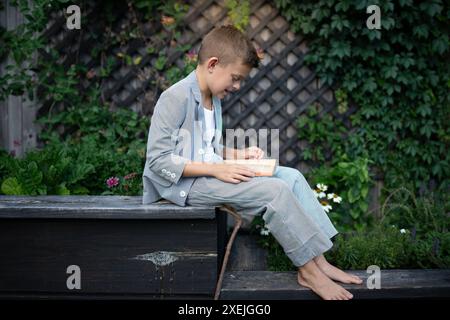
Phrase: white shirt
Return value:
(208, 135)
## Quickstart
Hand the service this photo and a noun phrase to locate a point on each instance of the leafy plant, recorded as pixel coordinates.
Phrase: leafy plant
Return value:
(239, 13)
(50, 171)
(423, 214)
(73, 167)
(384, 247)
(351, 181)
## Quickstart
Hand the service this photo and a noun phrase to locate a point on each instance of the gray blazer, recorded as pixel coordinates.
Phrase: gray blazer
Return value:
(175, 137)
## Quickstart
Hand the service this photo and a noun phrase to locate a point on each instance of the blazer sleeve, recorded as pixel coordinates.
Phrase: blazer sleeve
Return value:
(168, 116)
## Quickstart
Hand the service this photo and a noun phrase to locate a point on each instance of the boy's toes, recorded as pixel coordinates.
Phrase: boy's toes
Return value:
(346, 295)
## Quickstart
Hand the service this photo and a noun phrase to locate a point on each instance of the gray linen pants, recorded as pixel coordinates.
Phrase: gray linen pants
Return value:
(288, 206)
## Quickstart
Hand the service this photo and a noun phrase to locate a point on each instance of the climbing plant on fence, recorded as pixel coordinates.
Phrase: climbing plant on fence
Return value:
(397, 76)
(93, 144)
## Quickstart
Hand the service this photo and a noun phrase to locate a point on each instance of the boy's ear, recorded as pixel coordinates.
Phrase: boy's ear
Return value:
(212, 62)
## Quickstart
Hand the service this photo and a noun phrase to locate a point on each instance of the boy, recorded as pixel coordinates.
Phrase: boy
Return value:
(184, 164)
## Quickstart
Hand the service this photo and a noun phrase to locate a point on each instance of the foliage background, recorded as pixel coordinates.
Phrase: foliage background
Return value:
(397, 76)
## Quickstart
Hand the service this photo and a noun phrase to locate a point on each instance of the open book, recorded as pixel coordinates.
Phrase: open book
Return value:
(262, 167)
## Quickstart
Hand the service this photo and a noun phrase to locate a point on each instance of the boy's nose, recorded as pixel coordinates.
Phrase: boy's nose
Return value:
(237, 86)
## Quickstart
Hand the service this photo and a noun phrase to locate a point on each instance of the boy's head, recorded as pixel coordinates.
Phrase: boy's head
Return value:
(226, 56)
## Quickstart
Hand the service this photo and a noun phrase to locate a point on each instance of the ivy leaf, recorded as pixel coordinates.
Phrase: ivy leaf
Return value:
(424, 110)
(421, 31)
(370, 85)
(308, 27)
(440, 45)
(336, 23)
(431, 8)
(342, 6)
(391, 72)
(387, 23)
(404, 3)
(374, 34)
(340, 49)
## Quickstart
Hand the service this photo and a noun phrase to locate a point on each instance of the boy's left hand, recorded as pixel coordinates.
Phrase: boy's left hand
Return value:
(253, 153)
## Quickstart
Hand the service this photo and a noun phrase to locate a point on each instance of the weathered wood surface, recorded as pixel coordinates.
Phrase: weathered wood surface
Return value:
(122, 247)
(96, 207)
(395, 284)
(246, 254)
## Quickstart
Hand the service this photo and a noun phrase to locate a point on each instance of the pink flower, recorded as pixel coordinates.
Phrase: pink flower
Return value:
(112, 182)
(191, 56)
(130, 176)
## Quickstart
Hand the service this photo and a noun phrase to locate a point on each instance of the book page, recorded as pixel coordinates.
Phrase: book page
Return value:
(262, 167)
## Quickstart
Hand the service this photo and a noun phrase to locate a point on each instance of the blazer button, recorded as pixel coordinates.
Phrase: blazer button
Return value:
(173, 175)
(163, 170)
(182, 194)
(201, 151)
(168, 173)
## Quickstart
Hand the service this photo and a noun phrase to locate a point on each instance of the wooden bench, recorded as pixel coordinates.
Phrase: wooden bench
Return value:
(121, 247)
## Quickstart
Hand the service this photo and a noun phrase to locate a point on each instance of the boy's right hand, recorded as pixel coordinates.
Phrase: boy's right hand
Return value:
(232, 173)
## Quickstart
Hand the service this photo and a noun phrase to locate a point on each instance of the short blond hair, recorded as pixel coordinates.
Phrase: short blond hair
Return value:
(228, 44)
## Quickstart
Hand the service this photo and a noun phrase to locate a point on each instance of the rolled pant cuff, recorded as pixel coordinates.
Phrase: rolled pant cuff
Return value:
(330, 232)
(314, 247)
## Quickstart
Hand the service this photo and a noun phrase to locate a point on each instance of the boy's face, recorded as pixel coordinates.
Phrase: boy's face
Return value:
(222, 80)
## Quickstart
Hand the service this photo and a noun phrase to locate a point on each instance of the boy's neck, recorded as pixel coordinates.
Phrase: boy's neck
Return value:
(204, 90)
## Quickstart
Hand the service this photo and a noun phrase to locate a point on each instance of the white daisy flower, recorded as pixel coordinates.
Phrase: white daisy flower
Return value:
(402, 231)
(335, 197)
(265, 232)
(327, 208)
(322, 187)
(322, 195)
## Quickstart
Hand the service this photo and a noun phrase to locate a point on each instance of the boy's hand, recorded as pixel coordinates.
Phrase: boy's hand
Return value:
(232, 173)
(253, 153)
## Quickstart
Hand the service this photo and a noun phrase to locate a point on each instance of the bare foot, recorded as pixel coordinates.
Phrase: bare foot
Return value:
(311, 277)
(335, 273)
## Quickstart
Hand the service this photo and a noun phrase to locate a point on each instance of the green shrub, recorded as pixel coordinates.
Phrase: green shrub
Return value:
(384, 247)
(74, 167)
(425, 214)
(350, 179)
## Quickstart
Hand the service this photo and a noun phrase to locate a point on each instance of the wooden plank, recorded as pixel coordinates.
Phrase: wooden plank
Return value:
(16, 296)
(96, 207)
(395, 284)
(156, 257)
(246, 254)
